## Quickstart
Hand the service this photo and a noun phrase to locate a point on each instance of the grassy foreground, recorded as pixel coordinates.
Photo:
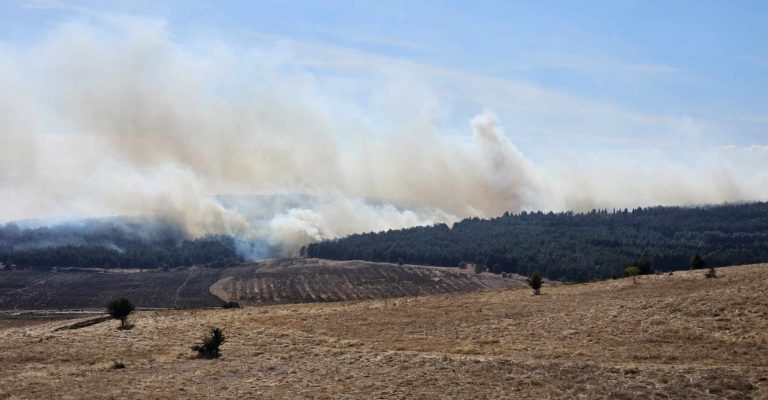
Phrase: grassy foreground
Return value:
(679, 336)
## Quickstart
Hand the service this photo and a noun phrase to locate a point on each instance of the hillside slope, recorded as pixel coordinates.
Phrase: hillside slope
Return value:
(272, 282)
(314, 280)
(679, 336)
(571, 246)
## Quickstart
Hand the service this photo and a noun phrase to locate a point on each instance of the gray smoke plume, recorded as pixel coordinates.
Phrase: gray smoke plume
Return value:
(117, 118)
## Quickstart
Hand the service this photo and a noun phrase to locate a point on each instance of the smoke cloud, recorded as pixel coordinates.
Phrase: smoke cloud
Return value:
(118, 118)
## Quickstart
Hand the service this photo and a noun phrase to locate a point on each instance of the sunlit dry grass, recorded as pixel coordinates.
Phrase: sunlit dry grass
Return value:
(679, 336)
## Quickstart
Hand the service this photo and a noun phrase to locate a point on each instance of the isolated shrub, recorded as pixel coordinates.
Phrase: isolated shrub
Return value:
(120, 308)
(535, 281)
(644, 267)
(632, 271)
(698, 263)
(711, 273)
(480, 268)
(230, 304)
(209, 347)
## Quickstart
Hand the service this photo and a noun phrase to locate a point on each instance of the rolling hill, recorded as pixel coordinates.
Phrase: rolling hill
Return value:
(570, 246)
(272, 282)
(668, 337)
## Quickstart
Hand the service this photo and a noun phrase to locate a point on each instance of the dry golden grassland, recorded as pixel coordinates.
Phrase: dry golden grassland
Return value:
(669, 337)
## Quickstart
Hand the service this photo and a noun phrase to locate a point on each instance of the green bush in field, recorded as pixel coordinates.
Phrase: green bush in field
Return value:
(209, 347)
(120, 308)
(632, 271)
(230, 304)
(536, 281)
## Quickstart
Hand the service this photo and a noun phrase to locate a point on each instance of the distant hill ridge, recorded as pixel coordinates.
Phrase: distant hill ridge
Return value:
(573, 246)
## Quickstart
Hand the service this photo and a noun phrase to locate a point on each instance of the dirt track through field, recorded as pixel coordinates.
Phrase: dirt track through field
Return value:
(274, 282)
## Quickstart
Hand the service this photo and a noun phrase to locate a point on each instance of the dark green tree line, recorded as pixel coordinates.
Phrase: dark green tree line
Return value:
(573, 246)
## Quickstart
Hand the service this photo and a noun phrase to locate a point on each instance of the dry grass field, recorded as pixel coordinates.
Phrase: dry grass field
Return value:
(669, 337)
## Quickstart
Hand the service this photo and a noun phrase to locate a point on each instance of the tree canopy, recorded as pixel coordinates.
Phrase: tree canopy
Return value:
(536, 281)
(113, 244)
(573, 246)
(120, 308)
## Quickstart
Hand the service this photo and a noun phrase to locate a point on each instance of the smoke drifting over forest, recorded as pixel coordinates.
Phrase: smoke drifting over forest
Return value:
(117, 118)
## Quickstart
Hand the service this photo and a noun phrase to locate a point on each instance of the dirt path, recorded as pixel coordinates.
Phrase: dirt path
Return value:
(219, 290)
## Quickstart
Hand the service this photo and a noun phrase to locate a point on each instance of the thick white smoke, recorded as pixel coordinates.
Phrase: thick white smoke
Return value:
(119, 119)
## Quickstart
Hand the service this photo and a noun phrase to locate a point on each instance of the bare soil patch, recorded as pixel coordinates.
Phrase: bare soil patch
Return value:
(314, 280)
(273, 282)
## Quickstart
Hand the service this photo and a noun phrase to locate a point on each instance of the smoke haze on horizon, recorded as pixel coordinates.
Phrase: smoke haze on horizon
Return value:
(117, 116)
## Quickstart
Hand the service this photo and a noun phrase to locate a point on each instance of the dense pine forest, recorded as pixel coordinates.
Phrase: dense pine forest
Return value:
(112, 243)
(565, 246)
(572, 246)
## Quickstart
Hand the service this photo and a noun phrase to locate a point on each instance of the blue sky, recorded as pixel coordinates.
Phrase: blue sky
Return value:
(701, 59)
